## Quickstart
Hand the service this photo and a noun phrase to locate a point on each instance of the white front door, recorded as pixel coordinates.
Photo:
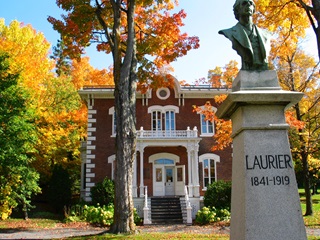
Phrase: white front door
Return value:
(170, 181)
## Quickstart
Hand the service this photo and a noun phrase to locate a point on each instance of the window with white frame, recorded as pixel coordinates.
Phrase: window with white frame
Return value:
(207, 126)
(114, 121)
(170, 120)
(156, 120)
(209, 170)
(163, 117)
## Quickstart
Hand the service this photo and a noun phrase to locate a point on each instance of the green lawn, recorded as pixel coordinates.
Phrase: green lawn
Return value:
(160, 236)
(311, 221)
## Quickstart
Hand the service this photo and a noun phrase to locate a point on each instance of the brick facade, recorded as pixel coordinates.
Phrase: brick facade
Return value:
(99, 156)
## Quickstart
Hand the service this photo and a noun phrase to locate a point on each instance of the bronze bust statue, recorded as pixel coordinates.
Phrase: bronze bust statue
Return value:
(250, 42)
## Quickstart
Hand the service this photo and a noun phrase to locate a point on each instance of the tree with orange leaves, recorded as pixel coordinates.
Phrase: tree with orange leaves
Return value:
(82, 73)
(143, 37)
(219, 78)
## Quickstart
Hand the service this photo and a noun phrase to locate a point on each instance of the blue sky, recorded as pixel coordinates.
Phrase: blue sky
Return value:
(204, 19)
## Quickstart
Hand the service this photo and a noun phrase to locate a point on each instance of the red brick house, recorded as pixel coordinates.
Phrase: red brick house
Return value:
(173, 155)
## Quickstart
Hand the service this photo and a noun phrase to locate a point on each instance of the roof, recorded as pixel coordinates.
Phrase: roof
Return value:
(188, 91)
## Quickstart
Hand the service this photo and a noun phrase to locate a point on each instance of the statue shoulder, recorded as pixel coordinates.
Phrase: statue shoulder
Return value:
(228, 32)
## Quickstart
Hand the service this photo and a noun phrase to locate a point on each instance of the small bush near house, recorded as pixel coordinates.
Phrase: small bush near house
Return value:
(103, 193)
(95, 215)
(218, 195)
(211, 214)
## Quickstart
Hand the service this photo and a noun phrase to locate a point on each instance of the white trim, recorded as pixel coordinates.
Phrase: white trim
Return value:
(111, 159)
(157, 156)
(112, 113)
(163, 109)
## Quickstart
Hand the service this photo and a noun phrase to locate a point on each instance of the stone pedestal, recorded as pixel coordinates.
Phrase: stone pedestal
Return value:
(265, 202)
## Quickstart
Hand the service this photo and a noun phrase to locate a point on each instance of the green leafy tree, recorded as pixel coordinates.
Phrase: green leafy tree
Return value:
(18, 180)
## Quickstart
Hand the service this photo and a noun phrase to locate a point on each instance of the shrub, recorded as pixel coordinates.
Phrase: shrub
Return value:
(99, 215)
(211, 214)
(103, 193)
(95, 214)
(218, 195)
(205, 216)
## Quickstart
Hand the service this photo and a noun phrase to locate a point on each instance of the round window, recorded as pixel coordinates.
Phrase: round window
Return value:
(163, 93)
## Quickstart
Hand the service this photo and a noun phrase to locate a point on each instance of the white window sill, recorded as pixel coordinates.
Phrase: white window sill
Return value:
(206, 135)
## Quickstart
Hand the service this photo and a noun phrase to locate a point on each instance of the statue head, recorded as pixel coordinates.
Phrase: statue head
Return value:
(238, 4)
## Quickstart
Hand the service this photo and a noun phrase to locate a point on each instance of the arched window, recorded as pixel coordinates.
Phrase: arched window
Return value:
(163, 117)
(164, 161)
(209, 170)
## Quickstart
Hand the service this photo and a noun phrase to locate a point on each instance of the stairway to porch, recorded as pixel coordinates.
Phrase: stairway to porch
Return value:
(166, 210)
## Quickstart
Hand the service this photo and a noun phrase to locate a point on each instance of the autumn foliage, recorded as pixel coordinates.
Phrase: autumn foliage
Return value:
(59, 114)
(159, 39)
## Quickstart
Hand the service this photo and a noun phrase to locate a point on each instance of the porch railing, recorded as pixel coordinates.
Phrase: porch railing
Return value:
(188, 205)
(168, 133)
(146, 208)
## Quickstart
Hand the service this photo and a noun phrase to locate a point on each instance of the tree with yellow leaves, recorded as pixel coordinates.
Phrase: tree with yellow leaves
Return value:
(299, 72)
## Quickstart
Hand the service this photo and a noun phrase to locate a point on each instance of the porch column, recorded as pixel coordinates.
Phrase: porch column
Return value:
(141, 150)
(195, 174)
(190, 185)
(134, 180)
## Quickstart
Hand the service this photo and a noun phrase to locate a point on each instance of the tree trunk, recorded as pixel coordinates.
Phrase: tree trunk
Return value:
(25, 211)
(306, 176)
(125, 103)
(315, 11)
(305, 167)
(318, 39)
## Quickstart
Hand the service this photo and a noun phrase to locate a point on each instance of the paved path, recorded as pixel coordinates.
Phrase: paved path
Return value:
(60, 233)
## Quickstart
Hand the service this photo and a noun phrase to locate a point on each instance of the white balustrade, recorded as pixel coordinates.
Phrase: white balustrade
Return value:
(188, 204)
(146, 209)
(168, 133)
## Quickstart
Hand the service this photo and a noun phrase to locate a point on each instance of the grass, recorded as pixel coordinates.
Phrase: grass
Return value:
(30, 223)
(314, 220)
(159, 236)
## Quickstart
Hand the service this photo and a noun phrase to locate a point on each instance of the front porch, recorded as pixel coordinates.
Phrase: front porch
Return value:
(169, 171)
(167, 209)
